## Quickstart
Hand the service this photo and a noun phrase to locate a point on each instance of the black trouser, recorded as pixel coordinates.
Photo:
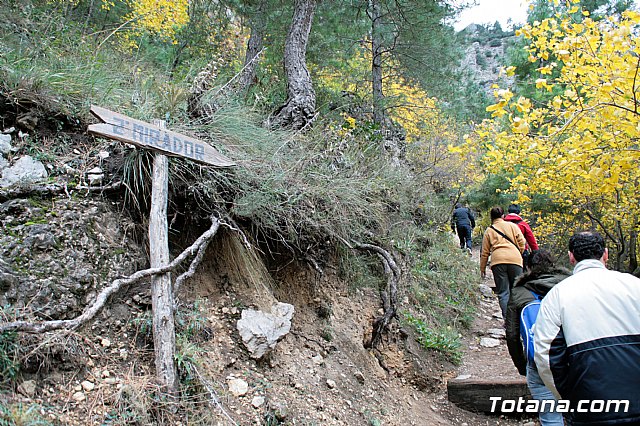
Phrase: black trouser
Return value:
(504, 275)
(464, 233)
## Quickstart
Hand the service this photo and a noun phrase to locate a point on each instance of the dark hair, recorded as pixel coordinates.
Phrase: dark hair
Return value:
(541, 260)
(496, 212)
(458, 205)
(586, 245)
(514, 208)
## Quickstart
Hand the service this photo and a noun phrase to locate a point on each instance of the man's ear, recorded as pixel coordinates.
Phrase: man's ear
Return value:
(605, 256)
(572, 259)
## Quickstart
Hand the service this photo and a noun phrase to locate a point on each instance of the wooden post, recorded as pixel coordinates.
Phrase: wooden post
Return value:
(164, 142)
(164, 339)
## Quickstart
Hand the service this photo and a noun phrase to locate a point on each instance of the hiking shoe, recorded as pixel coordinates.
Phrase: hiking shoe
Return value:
(469, 250)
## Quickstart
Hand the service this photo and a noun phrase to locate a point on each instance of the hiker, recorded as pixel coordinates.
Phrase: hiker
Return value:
(532, 244)
(463, 222)
(504, 242)
(530, 286)
(587, 337)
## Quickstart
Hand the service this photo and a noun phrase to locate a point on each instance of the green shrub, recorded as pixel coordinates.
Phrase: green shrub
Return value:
(445, 340)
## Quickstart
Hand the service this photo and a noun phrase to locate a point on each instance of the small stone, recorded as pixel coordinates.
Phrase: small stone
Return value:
(105, 343)
(348, 403)
(27, 388)
(103, 154)
(238, 387)
(489, 342)
(95, 171)
(331, 384)
(280, 410)
(225, 310)
(87, 386)
(79, 397)
(257, 401)
(95, 179)
(110, 380)
(463, 377)
(485, 290)
(359, 377)
(106, 373)
(318, 360)
(497, 333)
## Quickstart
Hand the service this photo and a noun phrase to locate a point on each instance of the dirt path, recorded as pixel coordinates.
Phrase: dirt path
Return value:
(482, 362)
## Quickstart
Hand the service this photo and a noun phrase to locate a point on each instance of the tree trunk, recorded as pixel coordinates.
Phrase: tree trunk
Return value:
(299, 110)
(254, 46)
(633, 254)
(376, 63)
(164, 339)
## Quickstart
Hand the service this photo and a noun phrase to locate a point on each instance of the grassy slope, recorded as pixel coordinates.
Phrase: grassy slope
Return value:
(303, 192)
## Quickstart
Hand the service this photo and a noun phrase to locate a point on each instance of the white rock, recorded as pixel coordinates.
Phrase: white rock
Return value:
(87, 386)
(95, 179)
(331, 384)
(95, 171)
(257, 401)
(79, 397)
(25, 169)
(318, 360)
(463, 377)
(485, 290)
(497, 333)
(5, 144)
(27, 388)
(238, 387)
(103, 154)
(489, 342)
(105, 342)
(261, 331)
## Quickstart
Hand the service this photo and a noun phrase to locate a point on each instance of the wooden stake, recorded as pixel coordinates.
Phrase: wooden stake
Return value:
(164, 338)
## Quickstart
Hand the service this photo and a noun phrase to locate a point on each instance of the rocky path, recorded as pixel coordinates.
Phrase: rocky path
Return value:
(486, 356)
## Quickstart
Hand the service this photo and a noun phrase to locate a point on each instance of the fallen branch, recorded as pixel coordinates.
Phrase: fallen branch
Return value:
(196, 260)
(117, 285)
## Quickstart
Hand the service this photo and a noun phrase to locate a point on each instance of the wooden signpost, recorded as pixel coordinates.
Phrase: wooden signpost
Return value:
(145, 135)
(158, 138)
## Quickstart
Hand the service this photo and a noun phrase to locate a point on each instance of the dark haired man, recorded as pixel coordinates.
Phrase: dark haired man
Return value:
(532, 244)
(587, 338)
(463, 222)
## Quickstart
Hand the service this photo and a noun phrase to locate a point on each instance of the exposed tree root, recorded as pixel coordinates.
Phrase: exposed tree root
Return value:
(389, 295)
(119, 284)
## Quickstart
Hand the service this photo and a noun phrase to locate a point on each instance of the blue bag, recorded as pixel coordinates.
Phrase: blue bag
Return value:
(527, 320)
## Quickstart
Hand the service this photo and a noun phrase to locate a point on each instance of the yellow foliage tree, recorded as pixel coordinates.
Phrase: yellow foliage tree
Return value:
(162, 18)
(429, 133)
(580, 150)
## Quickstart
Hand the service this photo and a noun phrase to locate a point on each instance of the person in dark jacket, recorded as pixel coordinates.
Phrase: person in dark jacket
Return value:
(463, 222)
(541, 278)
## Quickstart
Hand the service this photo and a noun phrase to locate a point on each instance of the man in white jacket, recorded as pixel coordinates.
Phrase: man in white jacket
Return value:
(587, 338)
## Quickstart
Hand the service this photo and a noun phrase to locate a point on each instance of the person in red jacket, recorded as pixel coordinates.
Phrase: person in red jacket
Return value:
(532, 244)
